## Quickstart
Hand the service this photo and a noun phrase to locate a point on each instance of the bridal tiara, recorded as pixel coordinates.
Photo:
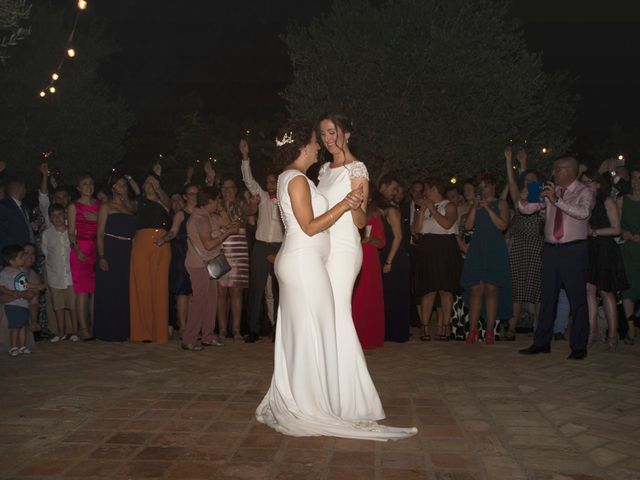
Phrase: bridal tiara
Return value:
(286, 138)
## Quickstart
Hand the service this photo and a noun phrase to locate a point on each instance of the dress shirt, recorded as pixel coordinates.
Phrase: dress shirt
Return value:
(44, 202)
(576, 205)
(269, 223)
(56, 248)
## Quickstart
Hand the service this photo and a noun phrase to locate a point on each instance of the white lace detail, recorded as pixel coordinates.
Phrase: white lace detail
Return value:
(357, 169)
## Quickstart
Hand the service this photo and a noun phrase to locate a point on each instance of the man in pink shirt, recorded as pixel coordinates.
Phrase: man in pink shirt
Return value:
(565, 260)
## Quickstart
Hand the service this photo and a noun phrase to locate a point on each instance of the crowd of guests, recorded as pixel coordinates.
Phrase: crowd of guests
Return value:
(475, 257)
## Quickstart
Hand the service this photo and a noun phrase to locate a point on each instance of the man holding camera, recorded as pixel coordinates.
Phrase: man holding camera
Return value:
(565, 261)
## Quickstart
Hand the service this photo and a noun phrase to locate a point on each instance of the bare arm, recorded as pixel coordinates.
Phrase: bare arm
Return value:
(134, 185)
(614, 219)
(300, 194)
(501, 221)
(512, 185)
(471, 217)
(359, 215)
(393, 217)
(173, 231)
(204, 232)
(449, 218)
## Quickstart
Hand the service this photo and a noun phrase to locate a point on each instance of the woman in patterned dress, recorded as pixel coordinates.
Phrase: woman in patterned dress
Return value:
(525, 251)
(233, 210)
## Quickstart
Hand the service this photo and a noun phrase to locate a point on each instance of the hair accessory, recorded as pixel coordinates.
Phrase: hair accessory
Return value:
(286, 138)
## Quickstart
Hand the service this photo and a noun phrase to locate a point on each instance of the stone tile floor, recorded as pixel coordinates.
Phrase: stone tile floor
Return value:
(125, 411)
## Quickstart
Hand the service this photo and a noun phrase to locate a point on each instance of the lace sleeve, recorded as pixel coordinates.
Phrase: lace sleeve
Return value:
(323, 168)
(358, 170)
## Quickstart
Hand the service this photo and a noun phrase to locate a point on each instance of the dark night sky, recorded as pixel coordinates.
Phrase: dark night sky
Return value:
(228, 52)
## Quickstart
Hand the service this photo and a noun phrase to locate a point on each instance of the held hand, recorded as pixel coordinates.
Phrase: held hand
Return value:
(549, 192)
(386, 268)
(354, 198)
(103, 264)
(44, 169)
(244, 149)
(157, 169)
(90, 216)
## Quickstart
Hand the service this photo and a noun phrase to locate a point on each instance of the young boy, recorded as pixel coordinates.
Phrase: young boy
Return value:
(13, 282)
(55, 246)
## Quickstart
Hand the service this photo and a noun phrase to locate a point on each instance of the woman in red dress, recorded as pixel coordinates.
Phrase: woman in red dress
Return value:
(368, 297)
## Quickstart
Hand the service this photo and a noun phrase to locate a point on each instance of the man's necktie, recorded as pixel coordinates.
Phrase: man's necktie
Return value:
(558, 228)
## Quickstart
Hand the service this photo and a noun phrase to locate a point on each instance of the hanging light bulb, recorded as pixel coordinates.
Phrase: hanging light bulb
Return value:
(453, 180)
(71, 52)
(82, 4)
(55, 76)
(52, 89)
(42, 93)
(620, 157)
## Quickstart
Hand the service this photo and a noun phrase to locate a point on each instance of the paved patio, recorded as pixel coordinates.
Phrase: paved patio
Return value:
(98, 410)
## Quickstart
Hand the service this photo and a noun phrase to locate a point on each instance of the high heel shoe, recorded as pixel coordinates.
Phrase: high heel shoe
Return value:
(612, 343)
(425, 337)
(593, 339)
(472, 336)
(490, 338)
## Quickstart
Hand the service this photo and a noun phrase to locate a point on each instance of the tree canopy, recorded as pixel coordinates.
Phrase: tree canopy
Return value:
(432, 85)
(83, 124)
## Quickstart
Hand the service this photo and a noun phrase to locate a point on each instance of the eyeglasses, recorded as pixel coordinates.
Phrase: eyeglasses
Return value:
(560, 167)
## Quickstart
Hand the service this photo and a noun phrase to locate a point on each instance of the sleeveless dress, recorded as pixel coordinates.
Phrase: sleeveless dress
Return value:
(606, 269)
(487, 260)
(359, 400)
(111, 307)
(397, 290)
(304, 396)
(368, 297)
(179, 282)
(631, 250)
(525, 257)
(83, 274)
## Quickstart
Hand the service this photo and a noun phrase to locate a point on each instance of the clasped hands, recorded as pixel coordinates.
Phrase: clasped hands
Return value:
(355, 198)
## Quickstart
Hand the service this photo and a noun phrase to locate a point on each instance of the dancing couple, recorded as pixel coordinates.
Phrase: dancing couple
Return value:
(320, 384)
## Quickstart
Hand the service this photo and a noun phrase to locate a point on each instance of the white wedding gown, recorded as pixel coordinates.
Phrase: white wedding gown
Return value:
(359, 399)
(304, 396)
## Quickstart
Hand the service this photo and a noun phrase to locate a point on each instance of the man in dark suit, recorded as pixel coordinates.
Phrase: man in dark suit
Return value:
(15, 226)
(408, 210)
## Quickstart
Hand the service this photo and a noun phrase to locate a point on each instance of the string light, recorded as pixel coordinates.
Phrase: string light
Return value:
(620, 157)
(453, 180)
(70, 50)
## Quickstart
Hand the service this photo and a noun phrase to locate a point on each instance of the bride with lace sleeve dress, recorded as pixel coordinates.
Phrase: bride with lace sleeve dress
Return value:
(304, 396)
(359, 400)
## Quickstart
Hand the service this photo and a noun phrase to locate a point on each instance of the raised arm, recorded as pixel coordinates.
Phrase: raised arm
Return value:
(512, 184)
(245, 168)
(300, 194)
(133, 184)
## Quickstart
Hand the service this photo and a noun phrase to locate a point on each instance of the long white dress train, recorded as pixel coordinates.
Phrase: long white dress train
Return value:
(359, 400)
(304, 396)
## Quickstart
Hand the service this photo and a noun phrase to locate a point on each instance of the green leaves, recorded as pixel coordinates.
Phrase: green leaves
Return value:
(432, 86)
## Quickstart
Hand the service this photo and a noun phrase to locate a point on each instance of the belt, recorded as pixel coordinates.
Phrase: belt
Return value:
(271, 244)
(116, 236)
(566, 244)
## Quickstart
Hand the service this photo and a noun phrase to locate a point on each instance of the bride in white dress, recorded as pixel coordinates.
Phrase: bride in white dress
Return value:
(359, 400)
(304, 396)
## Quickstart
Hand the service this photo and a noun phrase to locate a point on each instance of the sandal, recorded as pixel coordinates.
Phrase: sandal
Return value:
(14, 351)
(425, 337)
(472, 337)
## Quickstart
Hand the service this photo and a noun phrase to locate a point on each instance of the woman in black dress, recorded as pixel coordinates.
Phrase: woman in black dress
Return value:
(606, 268)
(396, 268)
(116, 228)
(179, 281)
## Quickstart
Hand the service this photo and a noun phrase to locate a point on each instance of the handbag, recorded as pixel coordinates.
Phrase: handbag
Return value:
(217, 267)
